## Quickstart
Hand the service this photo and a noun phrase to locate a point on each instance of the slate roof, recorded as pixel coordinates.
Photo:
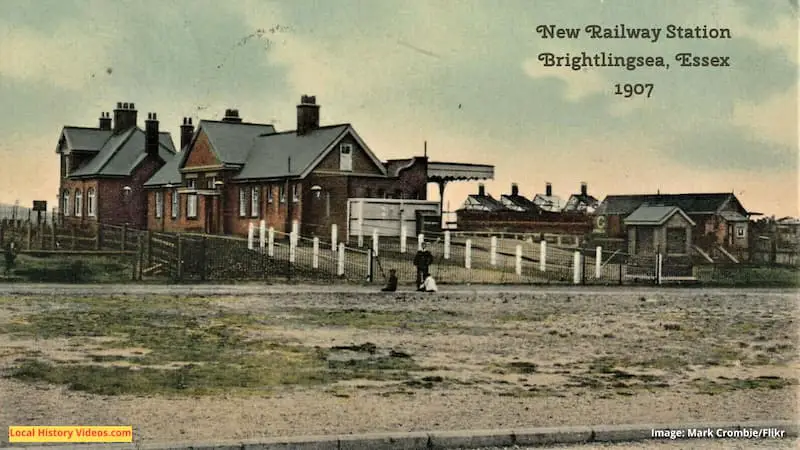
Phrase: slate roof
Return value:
(732, 216)
(268, 155)
(689, 203)
(584, 199)
(550, 203)
(232, 141)
(486, 203)
(85, 139)
(122, 152)
(654, 215)
(167, 174)
(520, 201)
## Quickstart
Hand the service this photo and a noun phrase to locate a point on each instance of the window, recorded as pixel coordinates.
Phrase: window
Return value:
(175, 204)
(255, 207)
(211, 182)
(191, 206)
(269, 194)
(78, 203)
(295, 193)
(740, 231)
(242, 202)
(159, 204)
(282, 194)
(346, 157)
(191, 183)
(65, 202)
(91, 203)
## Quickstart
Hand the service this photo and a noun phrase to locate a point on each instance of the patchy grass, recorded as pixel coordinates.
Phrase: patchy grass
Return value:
(722, 384)
(73, 269)
(366, 318)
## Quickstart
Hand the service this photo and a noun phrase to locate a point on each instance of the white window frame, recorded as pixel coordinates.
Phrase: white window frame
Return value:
(282, 193)
(159, 204)
(255, 201)
(295, 192)
(346, 157)
(191, 206)
(270, 195)
(210, 183)
(175, 204)
(78, 203)
(67, 206)
(242, 202)
(91, 202)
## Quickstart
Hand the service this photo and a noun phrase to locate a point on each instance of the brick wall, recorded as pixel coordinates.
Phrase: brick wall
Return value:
(201, 154)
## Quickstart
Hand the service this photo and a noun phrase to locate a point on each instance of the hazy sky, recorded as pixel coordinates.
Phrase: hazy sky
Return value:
(463, 75)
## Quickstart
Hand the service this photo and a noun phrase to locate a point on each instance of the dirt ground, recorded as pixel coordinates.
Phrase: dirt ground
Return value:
(324, 363)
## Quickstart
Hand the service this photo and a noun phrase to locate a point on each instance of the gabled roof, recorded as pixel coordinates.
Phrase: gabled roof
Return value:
(550, 203)
(83, 138)
(689, 203)
(232, 141)
(122, 153)
(518, 201)
(732, 216)
(654, 215)
(269, 155)
(167, 174)
(476, 202)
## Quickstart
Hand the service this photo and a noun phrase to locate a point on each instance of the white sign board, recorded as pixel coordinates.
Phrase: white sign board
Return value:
(385, 215)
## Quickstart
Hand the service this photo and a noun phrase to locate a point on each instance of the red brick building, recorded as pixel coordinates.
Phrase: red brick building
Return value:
(103, 169)
(231, 173)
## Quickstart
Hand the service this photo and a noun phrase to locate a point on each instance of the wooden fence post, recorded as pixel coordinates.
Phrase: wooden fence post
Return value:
(53, 235)
(124, 236)
(41, 235)
(179, 257)
(140, 244)
(28, 239)
(149, 244)
(2, 232)
(203, 246)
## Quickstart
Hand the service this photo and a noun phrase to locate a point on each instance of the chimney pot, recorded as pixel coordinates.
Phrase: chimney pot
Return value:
(481, 189)
(187, 131)
(514, 189)
(548, 190)
(131, 106)
(119, 105)
(151, 135)
(584, 189)
(124, 117)
(307, 114)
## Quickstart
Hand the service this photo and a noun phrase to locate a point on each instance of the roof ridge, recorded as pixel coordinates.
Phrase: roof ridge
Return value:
(295, 131)
(78, 127)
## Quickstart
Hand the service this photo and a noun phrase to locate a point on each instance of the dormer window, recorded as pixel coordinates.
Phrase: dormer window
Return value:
(346, 157)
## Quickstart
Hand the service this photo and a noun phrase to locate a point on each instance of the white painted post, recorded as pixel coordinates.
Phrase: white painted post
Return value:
(493, 254)
(292, 246)
(468, 255)
(262, 235)
(576, 267)
(250, 233)
(659, 262)
(295, 231)
(315, 260)
(518, 265)
(369, 261)
(375, 241)
(447, 244)
(271, 242)
(361, 224)
(420, 241)
(333, 237)
(340, 266)
(403, 236)
(598, 261)
(543, 255)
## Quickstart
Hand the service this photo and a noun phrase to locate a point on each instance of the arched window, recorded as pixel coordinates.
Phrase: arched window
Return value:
(65, 202)
(78, 203)
(91, 203)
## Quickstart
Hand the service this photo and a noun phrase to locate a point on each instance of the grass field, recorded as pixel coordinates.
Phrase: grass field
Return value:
(498, 359)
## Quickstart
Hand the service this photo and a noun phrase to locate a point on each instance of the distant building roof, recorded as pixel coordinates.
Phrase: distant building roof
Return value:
(654, 215)
(689, 203)
(732, 216)
(581, 203)
(476, 202)
(518, 203)
(550, 203)
(121, 153)
(788, 221)
(84, 139)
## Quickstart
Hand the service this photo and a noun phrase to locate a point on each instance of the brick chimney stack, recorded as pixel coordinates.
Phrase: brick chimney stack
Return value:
(514, 189)
(151, 134)
(584, 189)
(307, 114)
(124, 117)
(187, 131)
(232, 115)
(105, 121)
(548, 190)
(481, 190)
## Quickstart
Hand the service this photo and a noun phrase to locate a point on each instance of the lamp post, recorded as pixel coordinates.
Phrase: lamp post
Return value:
(126, 198)
(221, 213)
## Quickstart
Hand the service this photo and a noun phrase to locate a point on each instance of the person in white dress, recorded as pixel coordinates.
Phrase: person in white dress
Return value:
(429, 285)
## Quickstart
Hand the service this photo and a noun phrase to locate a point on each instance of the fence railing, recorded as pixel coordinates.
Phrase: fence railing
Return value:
(267, 254)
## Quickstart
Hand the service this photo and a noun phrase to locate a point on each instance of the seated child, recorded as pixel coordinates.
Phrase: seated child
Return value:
(429, 285)
(391, 283)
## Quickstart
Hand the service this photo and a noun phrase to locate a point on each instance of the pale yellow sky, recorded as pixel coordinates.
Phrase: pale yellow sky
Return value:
(398, 71)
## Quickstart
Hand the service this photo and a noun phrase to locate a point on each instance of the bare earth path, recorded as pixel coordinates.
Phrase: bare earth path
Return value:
(461, 359)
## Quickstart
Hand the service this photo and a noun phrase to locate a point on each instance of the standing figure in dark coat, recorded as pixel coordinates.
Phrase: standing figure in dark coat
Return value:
(11, 255)
(423, 261)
